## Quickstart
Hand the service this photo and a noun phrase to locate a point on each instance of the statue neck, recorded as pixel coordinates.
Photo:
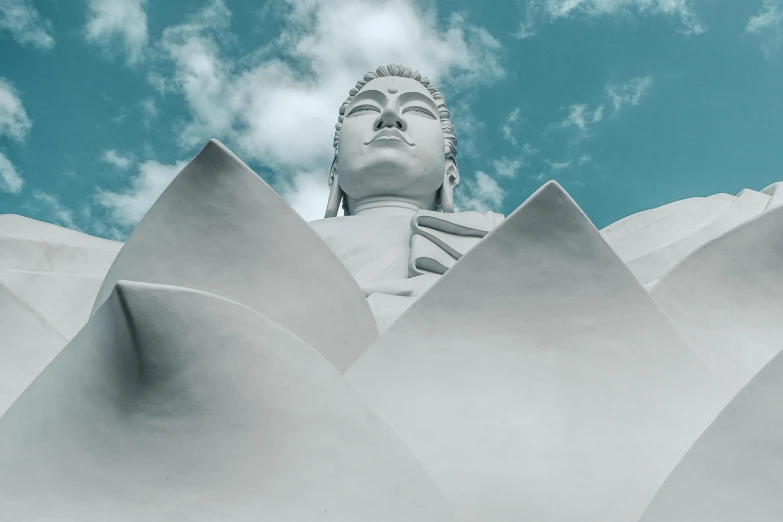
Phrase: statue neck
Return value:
(388, 205)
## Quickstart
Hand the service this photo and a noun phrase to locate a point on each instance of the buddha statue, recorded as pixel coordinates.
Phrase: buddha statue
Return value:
(394, 173)
(231, 361)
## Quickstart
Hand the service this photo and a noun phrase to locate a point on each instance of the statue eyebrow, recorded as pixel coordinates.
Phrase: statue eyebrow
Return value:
(372, 94)
(413, 95)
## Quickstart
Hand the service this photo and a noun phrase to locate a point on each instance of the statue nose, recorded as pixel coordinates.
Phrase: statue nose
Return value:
(390, 118)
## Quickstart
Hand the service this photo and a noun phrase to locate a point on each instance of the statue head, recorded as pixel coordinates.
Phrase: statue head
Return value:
(395, 146)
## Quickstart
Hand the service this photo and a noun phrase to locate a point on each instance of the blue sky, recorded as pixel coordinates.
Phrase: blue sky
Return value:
(629, 104)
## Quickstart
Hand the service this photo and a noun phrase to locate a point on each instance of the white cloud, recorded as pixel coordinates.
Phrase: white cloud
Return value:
(539, 11)
(630, 93)
(112, 157)
(307, 194)
(480, 194)
(529, 150)
(561, 165)
(768, 23)
(149, 110)
(581, 116)
(467, 127)
(282, 111)
(25, 23)
(584, 159)
(129, 206)
(14, 122)
(509, 125)
(59, 213)
(506, 167)
(110, 21)
(10, 179)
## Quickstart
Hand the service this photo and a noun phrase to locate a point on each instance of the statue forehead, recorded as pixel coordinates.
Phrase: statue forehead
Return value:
(401, 84)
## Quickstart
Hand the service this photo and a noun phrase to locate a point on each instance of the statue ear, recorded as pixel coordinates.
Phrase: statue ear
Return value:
(450, 180)
(335, 192)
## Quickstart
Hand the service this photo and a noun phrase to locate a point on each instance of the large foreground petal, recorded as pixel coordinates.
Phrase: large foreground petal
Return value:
(537, 380)
(173, 404)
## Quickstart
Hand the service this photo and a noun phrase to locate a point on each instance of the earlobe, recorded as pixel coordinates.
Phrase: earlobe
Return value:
(450, 180)
(335, 193)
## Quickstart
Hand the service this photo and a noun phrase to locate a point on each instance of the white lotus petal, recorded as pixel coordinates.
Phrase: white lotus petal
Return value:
(726, 299)
(734, 471)
(219, 228)
(174, 404)
(683, 218)
(537, 380)
(654, 264)
(28, 342)
(63, 299)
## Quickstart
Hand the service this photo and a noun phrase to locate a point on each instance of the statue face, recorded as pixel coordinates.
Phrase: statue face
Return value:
(391, 141)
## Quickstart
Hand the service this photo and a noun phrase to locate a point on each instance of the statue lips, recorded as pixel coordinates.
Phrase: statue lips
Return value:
(389, 135)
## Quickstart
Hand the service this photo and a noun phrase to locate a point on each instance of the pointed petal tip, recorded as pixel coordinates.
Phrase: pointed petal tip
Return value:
(550, 192)
(552, 187)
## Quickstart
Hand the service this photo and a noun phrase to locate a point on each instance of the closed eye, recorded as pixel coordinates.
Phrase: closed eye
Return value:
(421, 110)
(364, 108)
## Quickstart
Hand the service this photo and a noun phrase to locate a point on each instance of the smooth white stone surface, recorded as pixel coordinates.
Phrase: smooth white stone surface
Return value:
(27, 244)
(727, 299)
(219, 228)
(65, 300)
(28, 342)
(549, 387)
(174, 404)
(733, 472)
(654, 241)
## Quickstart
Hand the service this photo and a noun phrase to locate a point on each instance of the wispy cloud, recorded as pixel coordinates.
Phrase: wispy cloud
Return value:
(123, 22)
(630, 93)
(480, 194)
(467, 126)
(121, 161)
(149, 111)
(584, 159)
(10, 179)
(127, 207)
(582, 117)
(543, 11)
(14, 121)
(57, 212)
(253, 104)
(509, 126)
(16, 125)
(768, 24)
(559, 165)
(507, 167)
(25, 24)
